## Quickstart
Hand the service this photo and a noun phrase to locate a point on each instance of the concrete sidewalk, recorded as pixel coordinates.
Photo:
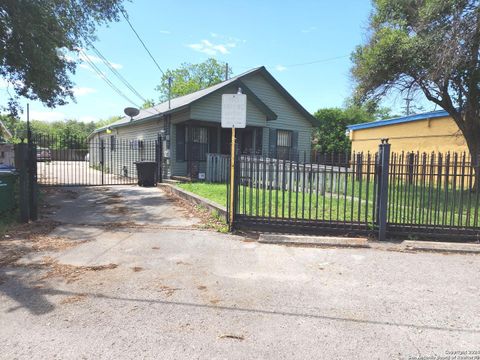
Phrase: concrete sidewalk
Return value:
(331, 241)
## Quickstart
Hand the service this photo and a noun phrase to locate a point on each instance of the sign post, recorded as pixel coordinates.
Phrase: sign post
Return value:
(234, 115)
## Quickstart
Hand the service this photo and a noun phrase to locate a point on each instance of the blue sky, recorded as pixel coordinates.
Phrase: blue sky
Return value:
(282, 35)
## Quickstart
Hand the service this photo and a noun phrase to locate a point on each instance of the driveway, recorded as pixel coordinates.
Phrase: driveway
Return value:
(76, 173)
(125, 272)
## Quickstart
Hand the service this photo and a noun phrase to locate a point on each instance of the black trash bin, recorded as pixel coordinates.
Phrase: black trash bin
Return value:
(146, 171)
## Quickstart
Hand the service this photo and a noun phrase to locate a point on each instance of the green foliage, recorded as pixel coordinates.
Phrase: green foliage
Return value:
(330, 135)
(55, 133)
(427, 46)
(148, 104)
(36, 35)
(189, 78)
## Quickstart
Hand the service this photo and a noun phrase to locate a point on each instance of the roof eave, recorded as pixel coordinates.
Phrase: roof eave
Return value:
(401, 120)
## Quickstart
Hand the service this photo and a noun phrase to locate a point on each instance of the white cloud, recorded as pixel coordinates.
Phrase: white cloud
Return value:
(280, 68)
(96, 60)
(4, 84)
(207, 47)
(167, 32)
(83, 90)
(220, 44)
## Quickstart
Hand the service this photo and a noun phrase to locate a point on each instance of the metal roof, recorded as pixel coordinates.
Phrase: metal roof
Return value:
(182, 102)
(399, 120)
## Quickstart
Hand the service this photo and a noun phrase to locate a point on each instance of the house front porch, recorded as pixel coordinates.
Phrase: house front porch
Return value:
(195, 139)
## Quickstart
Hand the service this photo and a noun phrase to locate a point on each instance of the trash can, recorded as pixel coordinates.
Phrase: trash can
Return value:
(146, 171)
(7, 190)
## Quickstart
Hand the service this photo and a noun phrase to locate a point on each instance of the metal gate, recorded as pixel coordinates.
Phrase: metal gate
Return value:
(338, 195)
(382, 194)
(78, 161)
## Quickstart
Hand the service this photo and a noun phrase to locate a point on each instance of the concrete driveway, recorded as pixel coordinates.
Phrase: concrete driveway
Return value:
(139, 277)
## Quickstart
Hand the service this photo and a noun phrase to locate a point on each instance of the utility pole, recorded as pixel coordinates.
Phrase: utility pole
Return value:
(408, 100)
(169, 90)
(226, 71)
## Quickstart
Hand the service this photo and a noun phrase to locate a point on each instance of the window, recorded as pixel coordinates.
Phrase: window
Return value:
(199, 143)
(284, 144)
(113, 142)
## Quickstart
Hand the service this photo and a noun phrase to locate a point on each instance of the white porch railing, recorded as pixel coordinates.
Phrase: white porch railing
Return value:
(217, 168)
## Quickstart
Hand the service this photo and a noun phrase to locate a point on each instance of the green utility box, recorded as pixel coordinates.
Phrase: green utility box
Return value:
(7, 190)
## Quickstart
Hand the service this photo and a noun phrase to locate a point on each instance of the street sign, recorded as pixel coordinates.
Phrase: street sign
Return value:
(234, 116)
(234, 111)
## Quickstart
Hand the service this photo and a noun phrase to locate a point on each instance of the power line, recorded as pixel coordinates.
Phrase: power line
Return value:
(103, 77)
(141, 41)
(318, 61)
(308, 62)
(117, 74)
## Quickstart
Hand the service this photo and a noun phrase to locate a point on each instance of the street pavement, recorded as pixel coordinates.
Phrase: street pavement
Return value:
(131, 273)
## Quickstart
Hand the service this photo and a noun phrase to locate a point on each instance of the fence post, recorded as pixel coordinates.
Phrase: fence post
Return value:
(159, 159)
(382, 199)
(102, 159)
(32, 182)
(21, 164)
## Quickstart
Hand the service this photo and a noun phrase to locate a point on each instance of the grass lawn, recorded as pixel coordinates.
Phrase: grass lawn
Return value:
(407, 203)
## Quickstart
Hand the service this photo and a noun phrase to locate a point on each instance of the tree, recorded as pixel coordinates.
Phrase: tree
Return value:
(431, 47)
(148, 104)
(330, 135)
(35, 37)
(189, 78)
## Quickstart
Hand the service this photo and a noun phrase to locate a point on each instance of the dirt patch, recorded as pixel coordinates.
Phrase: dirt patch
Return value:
(69, 273)
(232, 336)
(137, 269)
(73, 299)
(69, 194)
(167, 290)
(118, 210)
(202, 287)
(183, 263)
(208, 221)
(31, 230)
(32, 237)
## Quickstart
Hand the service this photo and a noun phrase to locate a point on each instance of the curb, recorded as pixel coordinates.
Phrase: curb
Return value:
(327, 241)
(442, 247)
(194, 199)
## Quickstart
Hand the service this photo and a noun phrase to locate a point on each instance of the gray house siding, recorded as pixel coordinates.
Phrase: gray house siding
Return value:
(209, 109)
(289, 118)
(122, 154)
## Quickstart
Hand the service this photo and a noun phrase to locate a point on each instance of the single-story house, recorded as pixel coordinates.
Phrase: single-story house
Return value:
(190, 125)
(428, 132)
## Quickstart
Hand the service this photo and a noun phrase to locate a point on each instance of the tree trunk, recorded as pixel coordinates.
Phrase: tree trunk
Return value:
(472, 137)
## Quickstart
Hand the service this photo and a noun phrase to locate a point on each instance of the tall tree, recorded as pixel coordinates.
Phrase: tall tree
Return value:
(34, 39)
(429, 46)
(330, 134)
(189, 78)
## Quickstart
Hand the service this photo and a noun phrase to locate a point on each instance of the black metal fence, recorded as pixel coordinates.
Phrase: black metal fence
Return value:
(381, 193)
(433, 193)
(75, 161)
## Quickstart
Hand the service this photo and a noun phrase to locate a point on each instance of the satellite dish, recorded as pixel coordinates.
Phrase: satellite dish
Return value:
(131, 111)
